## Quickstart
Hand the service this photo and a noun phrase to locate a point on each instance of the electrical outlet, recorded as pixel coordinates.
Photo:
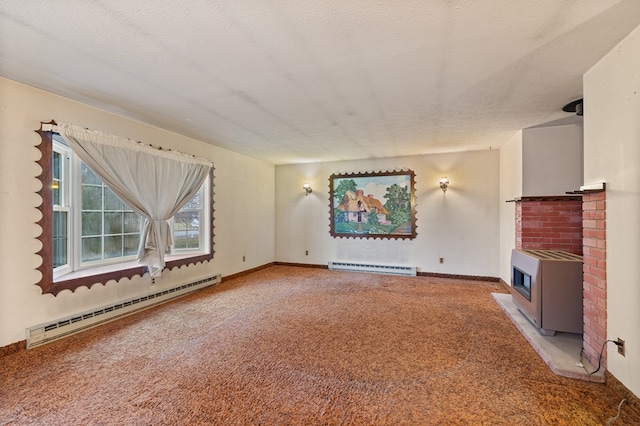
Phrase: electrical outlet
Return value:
(306, 253)
(620, 344)
(442, 260)
(244, 258)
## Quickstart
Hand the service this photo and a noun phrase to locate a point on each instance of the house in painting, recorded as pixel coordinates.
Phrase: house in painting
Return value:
(357, 207)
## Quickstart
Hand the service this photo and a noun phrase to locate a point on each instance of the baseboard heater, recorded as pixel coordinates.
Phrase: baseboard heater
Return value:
(48, 332)
(379, 269)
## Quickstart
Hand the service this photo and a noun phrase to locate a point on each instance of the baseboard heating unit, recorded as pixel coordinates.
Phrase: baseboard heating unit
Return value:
(379, 269)
(48, 332)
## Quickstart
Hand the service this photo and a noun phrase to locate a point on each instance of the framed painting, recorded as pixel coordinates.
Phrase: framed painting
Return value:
(373, 205)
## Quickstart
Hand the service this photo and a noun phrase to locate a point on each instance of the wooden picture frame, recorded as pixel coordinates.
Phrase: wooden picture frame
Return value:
(373, 205)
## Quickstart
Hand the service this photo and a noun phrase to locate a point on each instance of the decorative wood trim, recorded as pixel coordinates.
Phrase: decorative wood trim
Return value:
(546, 198)
(46, 218)
(505, 285)
(590, 189)
(458, 277)
(420, 274)
(302, 265)
(247, 272)
(212, 213)
(89, 280)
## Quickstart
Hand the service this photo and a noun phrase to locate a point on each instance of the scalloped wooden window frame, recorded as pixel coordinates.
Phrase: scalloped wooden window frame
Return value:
(89, 277)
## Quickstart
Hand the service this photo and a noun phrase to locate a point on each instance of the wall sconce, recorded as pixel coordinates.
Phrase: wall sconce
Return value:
(307, 189)
(444, 184)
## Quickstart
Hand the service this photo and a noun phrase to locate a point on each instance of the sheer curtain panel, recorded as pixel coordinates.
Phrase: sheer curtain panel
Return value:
(155, 183)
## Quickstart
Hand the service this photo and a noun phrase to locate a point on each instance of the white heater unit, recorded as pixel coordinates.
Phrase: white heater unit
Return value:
(379, 269)
(48, 332)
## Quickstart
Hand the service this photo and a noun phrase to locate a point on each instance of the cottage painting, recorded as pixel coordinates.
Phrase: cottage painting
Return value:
(373, 205)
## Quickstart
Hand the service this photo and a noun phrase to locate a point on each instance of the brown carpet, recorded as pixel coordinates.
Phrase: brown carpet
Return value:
(288, 346)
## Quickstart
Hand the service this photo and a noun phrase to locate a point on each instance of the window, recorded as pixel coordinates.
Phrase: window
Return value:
(61, 216)
(109, 228)
(93, 236)
(105, 230)
(188, 226)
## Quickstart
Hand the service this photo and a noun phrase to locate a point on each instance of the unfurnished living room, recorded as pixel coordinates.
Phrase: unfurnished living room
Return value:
(319, 212)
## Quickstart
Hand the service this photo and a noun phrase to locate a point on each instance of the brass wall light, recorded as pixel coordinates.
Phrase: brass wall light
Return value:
(444, 184)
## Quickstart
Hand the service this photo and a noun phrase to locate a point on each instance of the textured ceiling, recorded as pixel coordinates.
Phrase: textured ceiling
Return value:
(306, 80)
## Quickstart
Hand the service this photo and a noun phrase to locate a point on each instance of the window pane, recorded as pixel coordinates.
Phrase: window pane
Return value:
(56, 165)
(91, 249)
(91, 223)
(57, 176)
(111, 201)
(60, 237)
(55, 189)
(104, 214)
(113, 246)
(88, 177)
(180, 240)
(113, 223)
(194, 203)
(131, 244)
(186, 230)
(193, 241)
(91, 197)
(132, 222)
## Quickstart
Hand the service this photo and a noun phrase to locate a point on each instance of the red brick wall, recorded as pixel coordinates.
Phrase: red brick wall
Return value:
(549, 224)
(595, 275)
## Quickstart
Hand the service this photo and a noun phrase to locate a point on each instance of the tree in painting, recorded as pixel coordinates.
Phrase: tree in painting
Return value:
(344, 186)
(372, 219)
(398, 204)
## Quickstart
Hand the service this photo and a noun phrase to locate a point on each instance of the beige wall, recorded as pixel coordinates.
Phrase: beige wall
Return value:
(510, 187)
(612, 154)
(244, 210)
(462, 225)
(552, 159)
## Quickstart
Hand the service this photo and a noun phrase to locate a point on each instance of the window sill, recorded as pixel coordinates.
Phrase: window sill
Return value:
(103, 274)
(98, 270)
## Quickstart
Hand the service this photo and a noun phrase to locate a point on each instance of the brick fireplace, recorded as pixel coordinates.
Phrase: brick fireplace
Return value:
(594, 275)
(576, 224)
(549, 223)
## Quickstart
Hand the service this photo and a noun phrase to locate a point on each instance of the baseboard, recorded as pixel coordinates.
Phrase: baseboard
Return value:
(420, 274)
(247, 271)
(302, 265)
(505, 285)
(458, 277)
(13, 348)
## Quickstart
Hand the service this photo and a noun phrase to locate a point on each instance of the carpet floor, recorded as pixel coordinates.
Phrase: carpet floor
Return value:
(290, 345)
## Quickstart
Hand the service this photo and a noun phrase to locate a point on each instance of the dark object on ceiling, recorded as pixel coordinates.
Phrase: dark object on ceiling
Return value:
(575, 106)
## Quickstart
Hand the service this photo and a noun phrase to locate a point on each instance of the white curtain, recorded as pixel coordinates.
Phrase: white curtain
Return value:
(155, 183)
